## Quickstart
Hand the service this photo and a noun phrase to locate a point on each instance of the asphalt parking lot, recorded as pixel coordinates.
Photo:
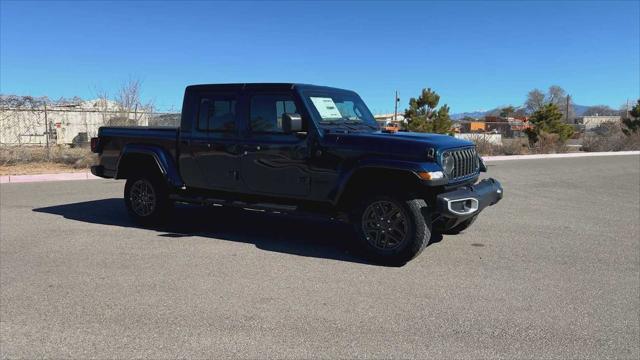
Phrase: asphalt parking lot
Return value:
(553, 271)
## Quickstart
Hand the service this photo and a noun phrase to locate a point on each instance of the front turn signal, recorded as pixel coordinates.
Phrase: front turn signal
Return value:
(430, 175)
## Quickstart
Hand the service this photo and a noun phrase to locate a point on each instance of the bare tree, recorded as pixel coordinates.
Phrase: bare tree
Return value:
(556, 95)
(535, 100)
(103, 105)
(128, 100)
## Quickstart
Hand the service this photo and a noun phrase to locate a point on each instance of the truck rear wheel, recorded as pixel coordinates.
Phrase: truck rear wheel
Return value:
(147, 199)
(392, 230)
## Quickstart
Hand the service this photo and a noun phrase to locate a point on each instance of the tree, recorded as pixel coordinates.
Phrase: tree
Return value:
(632, 122)
(422, 115)
(507, 112)
(535, 100)
(128, 100)
(602, 110)
(556, 95)
(548, 119)
(103, 105)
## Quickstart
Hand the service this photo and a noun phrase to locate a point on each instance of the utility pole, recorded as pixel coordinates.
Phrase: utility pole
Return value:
(567, 114)
(46, 129)
(627, 114)
(395, 107)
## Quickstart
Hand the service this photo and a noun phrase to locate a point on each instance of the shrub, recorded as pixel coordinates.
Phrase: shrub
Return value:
(517, 146)
(549, 144)
(610, 137)
(74, 157)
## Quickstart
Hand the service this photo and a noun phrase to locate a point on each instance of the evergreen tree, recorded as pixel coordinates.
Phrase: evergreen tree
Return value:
(422, 115)
(632, 123)
(548, 119)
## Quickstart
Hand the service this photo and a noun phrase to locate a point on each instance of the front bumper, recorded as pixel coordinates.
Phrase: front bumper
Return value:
(463, 203)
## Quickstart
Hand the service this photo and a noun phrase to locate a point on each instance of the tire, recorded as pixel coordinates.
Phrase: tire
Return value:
(460, 227)
(408, 220)
(147, 199)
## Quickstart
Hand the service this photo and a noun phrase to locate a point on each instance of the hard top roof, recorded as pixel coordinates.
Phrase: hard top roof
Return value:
(259, 86)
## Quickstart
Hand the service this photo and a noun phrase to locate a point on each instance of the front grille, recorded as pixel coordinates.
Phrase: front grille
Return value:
(466, 163)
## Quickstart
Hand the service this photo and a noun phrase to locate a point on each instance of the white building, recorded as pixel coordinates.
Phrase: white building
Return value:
(384, 119)
(592, 122)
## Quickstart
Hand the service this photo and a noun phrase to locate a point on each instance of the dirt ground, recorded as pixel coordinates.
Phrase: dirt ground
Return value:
(38, 168)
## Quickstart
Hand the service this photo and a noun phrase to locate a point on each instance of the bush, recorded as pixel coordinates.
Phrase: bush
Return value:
(517, 146)
(549, 144)
(77, 158)
(610, 137)
(483, 145)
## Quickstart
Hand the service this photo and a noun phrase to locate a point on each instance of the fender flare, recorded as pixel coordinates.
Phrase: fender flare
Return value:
(164, 161)
(411, 167)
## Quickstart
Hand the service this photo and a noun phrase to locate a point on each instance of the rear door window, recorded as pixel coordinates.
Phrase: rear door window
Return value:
(217, 113)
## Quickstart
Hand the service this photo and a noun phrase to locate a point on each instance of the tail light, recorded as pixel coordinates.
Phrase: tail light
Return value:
(95, 144)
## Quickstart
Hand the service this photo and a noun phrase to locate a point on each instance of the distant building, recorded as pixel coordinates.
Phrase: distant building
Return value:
(592, 122)
(495, 139)
(385, 119)
(473, 127)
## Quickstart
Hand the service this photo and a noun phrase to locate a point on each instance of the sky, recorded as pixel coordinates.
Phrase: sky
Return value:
(476, 55)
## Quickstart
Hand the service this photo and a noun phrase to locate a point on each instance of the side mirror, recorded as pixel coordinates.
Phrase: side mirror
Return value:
(291, 123)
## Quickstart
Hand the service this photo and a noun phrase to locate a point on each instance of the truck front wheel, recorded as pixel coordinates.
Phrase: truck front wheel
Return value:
(146, 199)
(392, 230)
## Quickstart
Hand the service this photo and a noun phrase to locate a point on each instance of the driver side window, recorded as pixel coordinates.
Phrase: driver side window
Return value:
(266, 112)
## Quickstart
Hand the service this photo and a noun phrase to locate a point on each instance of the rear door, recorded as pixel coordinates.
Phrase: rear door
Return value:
(274, 162)
(214, 141)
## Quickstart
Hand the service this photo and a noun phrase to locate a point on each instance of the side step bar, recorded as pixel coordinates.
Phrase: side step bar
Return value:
(258, 207)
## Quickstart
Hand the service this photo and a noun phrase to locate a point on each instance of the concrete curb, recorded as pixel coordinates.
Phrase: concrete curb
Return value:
(88, 176)
(47, 177)
(557, 156)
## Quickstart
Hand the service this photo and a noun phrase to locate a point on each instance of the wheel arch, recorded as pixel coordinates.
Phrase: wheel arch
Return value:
(150, 158)
(377, 179)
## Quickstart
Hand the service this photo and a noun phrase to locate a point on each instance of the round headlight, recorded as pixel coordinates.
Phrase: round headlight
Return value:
(448, 163)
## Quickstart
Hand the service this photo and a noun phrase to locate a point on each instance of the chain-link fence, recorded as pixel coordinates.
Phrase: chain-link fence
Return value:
(67, 126)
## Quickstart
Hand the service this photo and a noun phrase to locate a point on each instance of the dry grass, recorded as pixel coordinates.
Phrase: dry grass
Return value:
(518, 146)
(610, 138)
(37, 168)
(17, 160)
(549, 144)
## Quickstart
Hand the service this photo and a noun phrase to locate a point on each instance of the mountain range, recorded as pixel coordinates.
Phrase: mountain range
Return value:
(579, 109)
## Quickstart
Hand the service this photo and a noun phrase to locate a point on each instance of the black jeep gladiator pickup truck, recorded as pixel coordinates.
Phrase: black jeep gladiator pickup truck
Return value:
(294, 148)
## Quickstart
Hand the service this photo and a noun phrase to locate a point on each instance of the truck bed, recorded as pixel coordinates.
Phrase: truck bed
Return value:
(114, 139)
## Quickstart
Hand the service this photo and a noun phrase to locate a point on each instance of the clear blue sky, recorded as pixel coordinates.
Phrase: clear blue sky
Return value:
(477, 55)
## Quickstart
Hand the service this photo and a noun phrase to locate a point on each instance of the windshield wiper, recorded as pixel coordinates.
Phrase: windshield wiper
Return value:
(360, 122)
(347, 123)
(330, 122)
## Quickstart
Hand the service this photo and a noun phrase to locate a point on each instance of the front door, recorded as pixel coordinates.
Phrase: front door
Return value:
(274, 162)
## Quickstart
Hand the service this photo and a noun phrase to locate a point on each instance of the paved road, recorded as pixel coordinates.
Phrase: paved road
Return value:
(553, 271)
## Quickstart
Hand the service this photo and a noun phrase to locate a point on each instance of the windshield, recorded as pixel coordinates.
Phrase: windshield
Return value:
(340, 107)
